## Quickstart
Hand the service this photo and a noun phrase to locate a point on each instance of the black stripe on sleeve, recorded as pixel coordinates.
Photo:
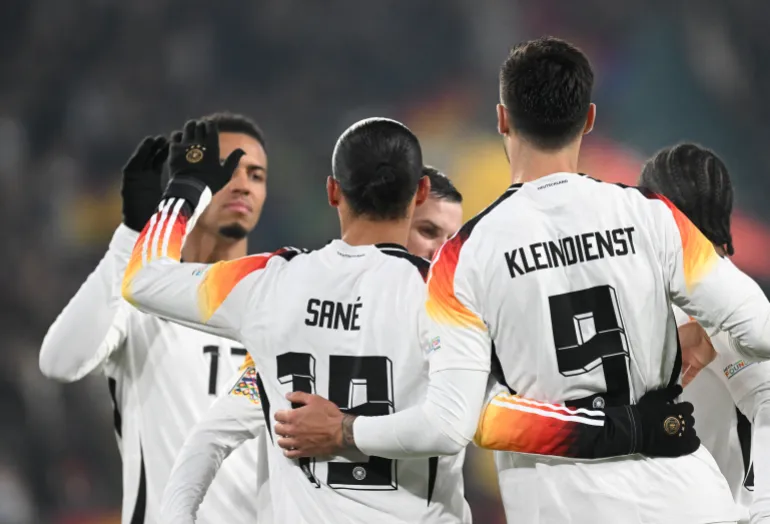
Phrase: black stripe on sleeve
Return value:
(432, 473)
(265, 406)
(116, 417)
(744, 438)
(140, 507)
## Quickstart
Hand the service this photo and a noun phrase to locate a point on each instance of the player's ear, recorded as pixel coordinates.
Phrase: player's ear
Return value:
(423, 191)
(503, 125)
(590, 119)
(333, 191)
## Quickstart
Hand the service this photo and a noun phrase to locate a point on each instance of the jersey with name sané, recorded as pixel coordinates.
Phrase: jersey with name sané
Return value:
(561, 289)
(341, 322)
(162, 378)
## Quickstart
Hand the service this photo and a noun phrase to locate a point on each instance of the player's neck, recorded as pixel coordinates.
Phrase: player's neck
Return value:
(528, 164)
(362, 232)
(204, 247)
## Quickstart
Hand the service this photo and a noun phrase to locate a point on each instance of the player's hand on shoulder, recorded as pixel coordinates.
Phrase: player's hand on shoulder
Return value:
(141, 188)
(316, 428)
(194, 158)
(668, 427)
(697, 350)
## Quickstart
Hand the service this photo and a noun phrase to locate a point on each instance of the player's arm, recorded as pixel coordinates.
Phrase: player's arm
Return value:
(513, 423)
(231, 420)
(92, 324)
(749, 386)
(210, 297)
(710, 288)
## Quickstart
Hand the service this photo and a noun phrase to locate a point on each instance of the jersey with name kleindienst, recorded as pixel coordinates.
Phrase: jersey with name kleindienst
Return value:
(562, 288)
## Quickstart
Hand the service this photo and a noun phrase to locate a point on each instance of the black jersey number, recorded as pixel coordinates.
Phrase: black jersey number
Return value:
(359, 386)
(588, 332)
(214, 366)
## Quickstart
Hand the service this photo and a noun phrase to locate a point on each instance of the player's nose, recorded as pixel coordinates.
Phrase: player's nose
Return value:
(239, 181)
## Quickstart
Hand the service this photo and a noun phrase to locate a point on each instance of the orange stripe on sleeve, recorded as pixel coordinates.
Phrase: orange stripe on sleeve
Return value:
(154, 228)
(512, 423)
(443, 305)
(698, 253)
(222, 277)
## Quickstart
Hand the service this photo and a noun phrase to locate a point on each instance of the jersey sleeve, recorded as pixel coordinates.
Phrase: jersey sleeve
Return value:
(710, 288)
(443, 424)
(231, 420)
(458, 336)
(93, 324)
(510, 422)
(215, 298)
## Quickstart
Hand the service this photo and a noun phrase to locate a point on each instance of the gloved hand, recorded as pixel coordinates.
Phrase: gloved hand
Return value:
(141, 189)
(194, 162)
(667, 428)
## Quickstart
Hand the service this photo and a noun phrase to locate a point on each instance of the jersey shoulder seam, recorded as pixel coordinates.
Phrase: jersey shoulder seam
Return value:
(469, 226)
(421, 264)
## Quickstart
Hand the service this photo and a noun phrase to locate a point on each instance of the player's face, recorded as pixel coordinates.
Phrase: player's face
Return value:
(433, 223)
(235, 209)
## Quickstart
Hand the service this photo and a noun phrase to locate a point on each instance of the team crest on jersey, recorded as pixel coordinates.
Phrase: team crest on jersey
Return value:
(247, 386)
(733, 369)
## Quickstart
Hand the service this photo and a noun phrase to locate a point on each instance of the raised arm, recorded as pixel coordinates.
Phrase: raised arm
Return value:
(230, 421)
(710, 288)
(211, 297)
(92, 325)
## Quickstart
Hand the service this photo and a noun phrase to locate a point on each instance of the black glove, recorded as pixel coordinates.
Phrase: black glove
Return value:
(141, 189)
(194, 162)
(667, 428)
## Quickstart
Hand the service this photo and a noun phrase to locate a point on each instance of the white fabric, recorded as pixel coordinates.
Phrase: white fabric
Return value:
(230, 421)
(162, 376)
(342, 322)
(555, 327)
(69, 351)
(715, 393)
(442, 425)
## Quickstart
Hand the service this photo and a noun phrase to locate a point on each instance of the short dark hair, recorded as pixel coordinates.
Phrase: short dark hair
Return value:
(696, 181)
(236, 123)
(440, 185)
(545, 85)
(378, 164)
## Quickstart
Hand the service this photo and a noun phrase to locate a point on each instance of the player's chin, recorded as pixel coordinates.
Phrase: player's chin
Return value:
(235, 230)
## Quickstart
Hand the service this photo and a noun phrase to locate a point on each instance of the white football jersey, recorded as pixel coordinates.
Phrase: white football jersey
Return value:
(165, 377)
(726, 395)
(162, 378)
(341, 322)
(562, 288)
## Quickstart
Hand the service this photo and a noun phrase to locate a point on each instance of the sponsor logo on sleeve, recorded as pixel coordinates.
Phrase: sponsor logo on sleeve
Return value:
(733, 369)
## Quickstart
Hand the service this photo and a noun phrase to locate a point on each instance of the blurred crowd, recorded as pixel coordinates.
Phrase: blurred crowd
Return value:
(81, 82)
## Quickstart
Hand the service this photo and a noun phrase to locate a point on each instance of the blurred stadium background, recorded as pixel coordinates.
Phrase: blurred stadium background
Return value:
(82, 81)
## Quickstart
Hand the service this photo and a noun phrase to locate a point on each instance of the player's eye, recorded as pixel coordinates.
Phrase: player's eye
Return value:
(429, 232)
